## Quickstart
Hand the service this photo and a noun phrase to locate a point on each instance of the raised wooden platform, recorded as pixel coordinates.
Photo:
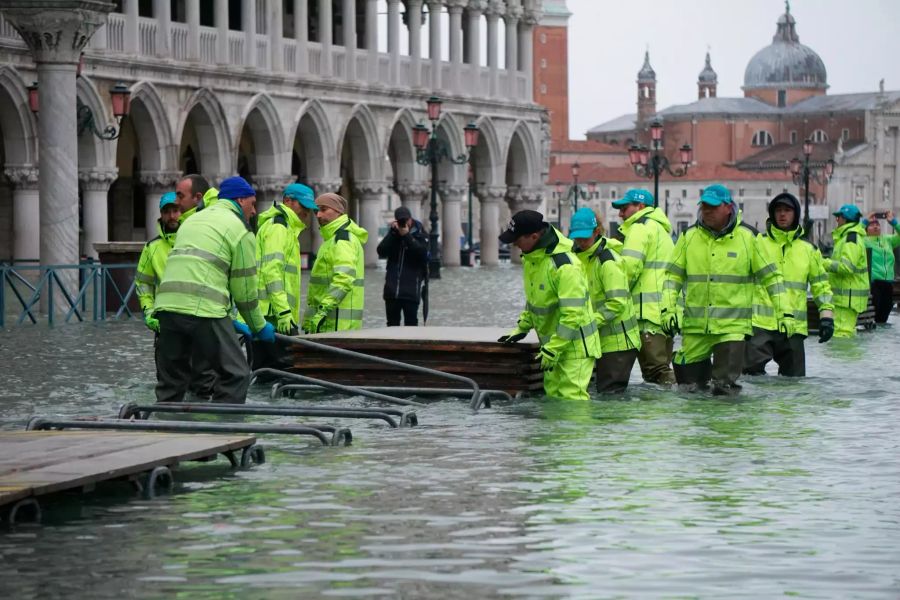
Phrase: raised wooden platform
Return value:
(35, 463)
(468, 351)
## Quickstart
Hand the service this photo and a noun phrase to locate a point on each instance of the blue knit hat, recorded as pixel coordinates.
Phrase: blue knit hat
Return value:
(849, 212)
(234, 188)
(715, 195)
(634, 196)
(583, 224)
(302, 194)
(167, 199)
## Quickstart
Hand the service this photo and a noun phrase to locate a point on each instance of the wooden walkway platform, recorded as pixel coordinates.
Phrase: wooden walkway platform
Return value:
(35, 463)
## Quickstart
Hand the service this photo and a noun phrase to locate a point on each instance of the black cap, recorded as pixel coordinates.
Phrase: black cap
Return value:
(522, 223)
(401, 213)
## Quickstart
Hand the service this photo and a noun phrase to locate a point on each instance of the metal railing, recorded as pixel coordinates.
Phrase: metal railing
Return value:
(85, 292)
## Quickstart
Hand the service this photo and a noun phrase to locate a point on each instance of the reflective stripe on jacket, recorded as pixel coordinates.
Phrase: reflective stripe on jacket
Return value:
(610, 298)
(151, 267)
(336, 279)
(848, 269)
(278, 259)
(212, 264)
(802, 267)
(717, 272)
(646, 254)
(881, 248)
(557, 305)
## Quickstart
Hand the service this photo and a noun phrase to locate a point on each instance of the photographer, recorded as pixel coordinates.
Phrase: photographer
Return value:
(406, 249)
(880, 250)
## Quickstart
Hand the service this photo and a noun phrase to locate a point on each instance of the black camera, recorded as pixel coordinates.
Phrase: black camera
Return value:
(401, 222)
(880, 215)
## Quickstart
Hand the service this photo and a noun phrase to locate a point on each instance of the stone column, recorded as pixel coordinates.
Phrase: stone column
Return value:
(56, 34)
(519, 198)
(526, 50)
(414, 19)
(132, 39)
(451, 222)
(434, 42)
(394, 40)
(372, 39)
(322, 186)
(156, 183)
(95, 185)
(301, 34)
(193, 22)
(325, 36)
(26, 212)
(348, 36)
(223, 53)
(493, 11)
(412, 194)
(276, 34)
(370, 195)
(895, 204)
(455, 8)
(489, 198)
(162, 11)
(248, 16)
(513, 13)
(269, 189)
(476, 8)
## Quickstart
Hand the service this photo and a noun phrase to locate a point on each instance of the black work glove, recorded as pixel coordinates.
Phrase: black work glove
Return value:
(512, 338)
(826, 329)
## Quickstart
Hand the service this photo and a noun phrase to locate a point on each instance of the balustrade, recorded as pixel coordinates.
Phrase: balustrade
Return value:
(208, 39)
(147, 36)
(179, 32)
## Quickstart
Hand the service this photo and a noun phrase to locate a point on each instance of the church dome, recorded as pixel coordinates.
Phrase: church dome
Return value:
(708, 75)
(785, 63)
(647, 73)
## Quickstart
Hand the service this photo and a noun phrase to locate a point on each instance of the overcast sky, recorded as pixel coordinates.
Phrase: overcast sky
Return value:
(859, 41)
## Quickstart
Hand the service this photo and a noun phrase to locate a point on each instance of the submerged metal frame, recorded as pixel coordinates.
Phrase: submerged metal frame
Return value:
(279, 388)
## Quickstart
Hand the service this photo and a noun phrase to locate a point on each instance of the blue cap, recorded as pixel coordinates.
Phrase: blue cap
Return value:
(302, 194)
(167, 199)
(849, 212)
(715, 195)
(634, 196)
(583, 224)
(234, 188)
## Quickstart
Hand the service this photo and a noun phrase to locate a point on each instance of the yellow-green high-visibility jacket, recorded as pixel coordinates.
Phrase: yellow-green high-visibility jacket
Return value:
(209, 198)
(278, 258)
(848, 269)
(212, 264)
(802, 267)
(610, 298)
(151, 266)
(336, 278)
(646, 254)
(717, 272)
(557, 304)
(881, 254)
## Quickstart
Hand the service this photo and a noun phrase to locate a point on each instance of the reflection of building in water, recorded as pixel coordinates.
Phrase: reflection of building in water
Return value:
(745, 142)
(324, 92)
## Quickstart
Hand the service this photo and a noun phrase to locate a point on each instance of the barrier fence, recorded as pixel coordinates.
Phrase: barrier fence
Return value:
(89, 291)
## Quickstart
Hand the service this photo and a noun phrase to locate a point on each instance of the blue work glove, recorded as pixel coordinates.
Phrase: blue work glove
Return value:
(548, 357)
(512, 338)
(266, 334)
(242, 329)
(826, 329)
(669, 322)
(787, 325)
(151, 323)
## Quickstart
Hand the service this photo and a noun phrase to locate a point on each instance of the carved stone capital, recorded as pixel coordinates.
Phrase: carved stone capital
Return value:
(522, 198)
(477, 6)
(490, 193)
(456, 6)
(371, 189)
(56, 32)
(452, 193)
(23, 177)
(412, 190)
(495, 8)
(531, 17)
(97, 180)
(325, 186)
(513, 14)
(160, 180)
(272, 183)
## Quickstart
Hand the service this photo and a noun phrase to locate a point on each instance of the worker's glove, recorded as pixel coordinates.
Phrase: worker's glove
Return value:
(826, 329)
(242, 329)
(314, 323)
(548, 358)
(266, 334)
(151, 323)
(285, 324)
(512, 338)
(669, 322)
(787, 325)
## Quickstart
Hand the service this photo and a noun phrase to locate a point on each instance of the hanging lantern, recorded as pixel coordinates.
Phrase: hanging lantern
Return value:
(420, 136)
(656, 130)
(434, 108)
(121, 100)
(33, 103)
(471, 133)
(687, 155)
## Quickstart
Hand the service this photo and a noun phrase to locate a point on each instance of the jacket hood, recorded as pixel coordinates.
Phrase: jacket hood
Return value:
(733, 222)
(169, 237)
(551, 242)
(292, 220)
(781, 199)
(844, 229)
(653, 214)
(330, 229)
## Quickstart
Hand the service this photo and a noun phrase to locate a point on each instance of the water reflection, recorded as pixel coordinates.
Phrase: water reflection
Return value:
(788, 490)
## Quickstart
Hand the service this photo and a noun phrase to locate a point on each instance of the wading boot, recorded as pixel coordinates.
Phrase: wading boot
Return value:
(728, 362)
(692, 377)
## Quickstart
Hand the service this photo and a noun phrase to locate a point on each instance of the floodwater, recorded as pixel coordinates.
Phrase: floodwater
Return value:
(790, 490)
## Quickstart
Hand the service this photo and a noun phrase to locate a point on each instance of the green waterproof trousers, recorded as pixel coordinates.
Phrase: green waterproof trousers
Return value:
(844, 322)
(569, 379)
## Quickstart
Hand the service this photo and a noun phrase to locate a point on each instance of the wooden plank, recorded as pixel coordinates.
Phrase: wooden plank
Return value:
(77, 458)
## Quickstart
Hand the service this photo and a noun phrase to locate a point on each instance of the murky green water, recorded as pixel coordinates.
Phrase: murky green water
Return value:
(790, 490)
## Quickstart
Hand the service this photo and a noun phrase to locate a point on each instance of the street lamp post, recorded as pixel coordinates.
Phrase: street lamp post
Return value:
(430, 152)
(802, 172)
(652, 165)
(572, 194)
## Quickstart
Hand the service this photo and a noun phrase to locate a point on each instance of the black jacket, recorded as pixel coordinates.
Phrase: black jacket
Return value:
(407, 263)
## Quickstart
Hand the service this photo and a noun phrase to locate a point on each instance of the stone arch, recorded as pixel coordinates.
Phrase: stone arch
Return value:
(203, 120)
(313, 141)
(399, 149)
(360, 136)
(16, 121)
(486, 155)
(94, 152)
(152, 127)
(520, 161)
(262, 122)
(448, 129)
